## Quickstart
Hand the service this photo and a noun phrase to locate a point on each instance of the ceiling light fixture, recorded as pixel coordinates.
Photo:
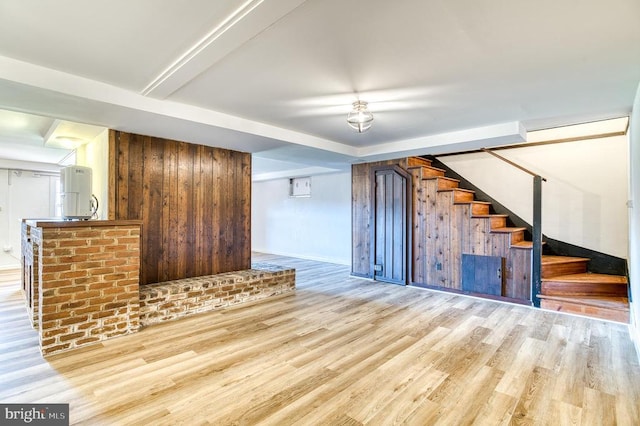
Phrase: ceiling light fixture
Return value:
(360, 118)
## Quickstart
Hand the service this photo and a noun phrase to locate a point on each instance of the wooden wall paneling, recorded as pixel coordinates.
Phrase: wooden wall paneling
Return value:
(246, 204)
(198, 203)
(418, 239)
(478, 236)
(216, 225)
(242, 186)
(152, 181)
(361, 199)
(500, 248)
(112, 180)
(441, 237)
(360, 216)
(185, 170)
(122, 200)
(136, 173)
(459, 242)
(225, 211)
(206, 209)
(432, 258)
(193, 201)
(519, 286)
(171, 268)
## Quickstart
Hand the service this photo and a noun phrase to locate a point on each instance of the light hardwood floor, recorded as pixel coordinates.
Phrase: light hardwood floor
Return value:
(338, 351)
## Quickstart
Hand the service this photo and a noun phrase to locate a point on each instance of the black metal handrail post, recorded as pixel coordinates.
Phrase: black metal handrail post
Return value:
(536, 228)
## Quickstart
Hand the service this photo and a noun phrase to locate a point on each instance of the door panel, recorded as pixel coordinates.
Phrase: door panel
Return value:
(390, 227)
(482, 274)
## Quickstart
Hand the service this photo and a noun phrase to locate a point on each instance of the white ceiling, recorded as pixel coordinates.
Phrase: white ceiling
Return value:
(277, 77)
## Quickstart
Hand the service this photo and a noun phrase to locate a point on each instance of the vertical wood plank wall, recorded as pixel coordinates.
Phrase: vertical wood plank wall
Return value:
(443, 229)
(361, 214)
(194, 202)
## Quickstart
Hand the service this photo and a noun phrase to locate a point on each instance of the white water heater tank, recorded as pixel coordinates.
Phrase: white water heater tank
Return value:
(77, 200)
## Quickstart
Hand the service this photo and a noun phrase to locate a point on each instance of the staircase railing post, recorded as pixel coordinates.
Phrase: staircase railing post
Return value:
(536, 261)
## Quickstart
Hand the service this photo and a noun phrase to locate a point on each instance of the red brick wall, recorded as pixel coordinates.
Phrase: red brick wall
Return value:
(89, 284)
(179, 298)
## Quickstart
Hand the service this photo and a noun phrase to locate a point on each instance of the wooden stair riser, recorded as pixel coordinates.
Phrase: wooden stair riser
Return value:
(559, 288)
(555, 269)
(479, 208)
(444, 183)
(590, 311)
(497, 221)
(418, 161)
(425, 172)
(428, 172)
(462, 196)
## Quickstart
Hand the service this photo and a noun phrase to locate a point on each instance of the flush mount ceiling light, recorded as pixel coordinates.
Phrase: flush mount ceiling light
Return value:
(360, 118)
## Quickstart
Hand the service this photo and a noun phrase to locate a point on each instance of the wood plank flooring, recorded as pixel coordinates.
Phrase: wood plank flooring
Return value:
(338, 351)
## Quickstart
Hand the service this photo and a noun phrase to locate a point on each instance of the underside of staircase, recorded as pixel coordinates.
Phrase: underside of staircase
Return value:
(567, 286)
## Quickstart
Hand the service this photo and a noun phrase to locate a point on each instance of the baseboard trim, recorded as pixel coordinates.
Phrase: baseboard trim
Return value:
(337, 261)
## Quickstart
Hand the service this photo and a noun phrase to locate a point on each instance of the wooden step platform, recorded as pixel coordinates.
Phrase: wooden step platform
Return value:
(428, 171)
(585, 284)
(563, 265)
(460, 195)
(609, 308)
(517, 234)
(498, 221)
(444, 183)
(477, 207)
(418, 161)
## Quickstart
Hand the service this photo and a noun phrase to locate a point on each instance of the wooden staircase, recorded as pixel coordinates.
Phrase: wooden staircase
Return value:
(448, 222)
(568, 287)
(443, 211)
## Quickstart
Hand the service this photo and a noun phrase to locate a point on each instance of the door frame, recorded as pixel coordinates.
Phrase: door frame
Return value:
(408, 242)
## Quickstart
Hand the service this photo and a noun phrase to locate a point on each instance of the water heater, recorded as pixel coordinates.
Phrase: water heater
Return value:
(77, 199)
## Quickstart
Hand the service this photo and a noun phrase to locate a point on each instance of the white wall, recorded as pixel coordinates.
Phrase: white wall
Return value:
(23, 194)
(584, 199)
(317, 228)
(634, 219)
(95, 155)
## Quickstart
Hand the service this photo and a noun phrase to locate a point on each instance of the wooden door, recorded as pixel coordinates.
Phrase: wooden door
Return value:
(482, 274)
(390, 227)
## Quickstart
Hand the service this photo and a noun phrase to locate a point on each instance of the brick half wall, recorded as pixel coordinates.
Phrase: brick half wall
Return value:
(179, 298)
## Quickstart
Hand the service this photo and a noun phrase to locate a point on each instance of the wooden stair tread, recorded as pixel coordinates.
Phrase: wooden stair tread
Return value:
(552, 260)
(589, 277)
(609, 302)
(508, 230)
(473, 202)
(469, 191)
(523, 245)
(441, 178)
(423, 166)
(488, 216)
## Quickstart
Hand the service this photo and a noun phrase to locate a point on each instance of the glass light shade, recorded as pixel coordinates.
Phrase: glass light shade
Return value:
(360, 118)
